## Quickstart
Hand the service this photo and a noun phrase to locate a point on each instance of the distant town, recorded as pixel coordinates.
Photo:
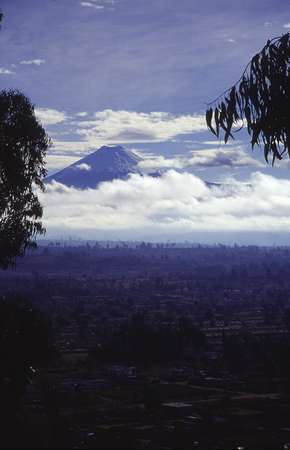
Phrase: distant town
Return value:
(158, 345)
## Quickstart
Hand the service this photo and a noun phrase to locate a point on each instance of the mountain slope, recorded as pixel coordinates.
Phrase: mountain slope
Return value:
(105, 164)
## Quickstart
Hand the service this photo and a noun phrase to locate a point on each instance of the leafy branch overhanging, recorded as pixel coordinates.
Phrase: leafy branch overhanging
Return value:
(261, 98)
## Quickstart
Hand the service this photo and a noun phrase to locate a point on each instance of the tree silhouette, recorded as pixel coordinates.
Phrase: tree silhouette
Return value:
(261, 99)
(25, 340)
(23, 145)
(25, 345)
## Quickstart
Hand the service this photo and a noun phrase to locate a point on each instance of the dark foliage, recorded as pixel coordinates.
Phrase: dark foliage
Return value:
(24, 342)
(138, 341)
(261, 99)
(23, 145)
(246, 350)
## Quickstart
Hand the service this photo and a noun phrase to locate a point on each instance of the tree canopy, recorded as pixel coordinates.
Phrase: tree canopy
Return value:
(25, 340)
(260, 99)
(26, 345)
(23, 145)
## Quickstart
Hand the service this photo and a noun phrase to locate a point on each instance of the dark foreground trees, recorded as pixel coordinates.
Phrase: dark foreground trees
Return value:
(25, 345)
(260, 99)
(139, 341)
(25, 342)
(23, 145)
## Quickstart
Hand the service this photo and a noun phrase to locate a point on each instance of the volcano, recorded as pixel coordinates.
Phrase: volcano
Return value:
(105, 164)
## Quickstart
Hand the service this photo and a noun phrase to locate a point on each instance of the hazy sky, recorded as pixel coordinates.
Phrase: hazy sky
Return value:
(138, 73)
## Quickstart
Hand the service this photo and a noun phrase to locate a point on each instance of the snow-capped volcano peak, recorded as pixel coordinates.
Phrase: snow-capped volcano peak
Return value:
(105, 164)
(112, 158)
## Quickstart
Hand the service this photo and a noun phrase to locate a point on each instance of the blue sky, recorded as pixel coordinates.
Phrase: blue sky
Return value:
(138, 73)
(130, 55)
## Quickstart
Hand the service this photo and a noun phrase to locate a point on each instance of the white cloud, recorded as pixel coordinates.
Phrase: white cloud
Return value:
(4, 71)
(128, 127)
(117, 127)
(97, 4)
(159, 162)
(35, 62)
(92, 5)
(174, 203)
(83, 166)
(82, 114)
(58, 162)
(50, 116)
(216, 142)
(225, 157)
(72, 147)
(286, 25)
